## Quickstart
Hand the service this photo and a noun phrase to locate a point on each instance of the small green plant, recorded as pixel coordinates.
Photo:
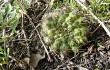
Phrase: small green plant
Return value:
(97, 69)
(100, 8)
(64, 29)
(4, 56)
(9, 19)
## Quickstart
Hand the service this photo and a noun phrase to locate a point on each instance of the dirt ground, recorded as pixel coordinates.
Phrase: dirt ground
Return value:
(90, 56)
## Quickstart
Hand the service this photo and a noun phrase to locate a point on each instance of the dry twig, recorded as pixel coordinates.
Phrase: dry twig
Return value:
(24, 12)
(95, 17)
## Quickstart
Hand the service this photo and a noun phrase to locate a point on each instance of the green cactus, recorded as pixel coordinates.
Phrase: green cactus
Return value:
(63, 29)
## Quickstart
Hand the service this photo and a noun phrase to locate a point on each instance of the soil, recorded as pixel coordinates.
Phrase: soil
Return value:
(90, 56)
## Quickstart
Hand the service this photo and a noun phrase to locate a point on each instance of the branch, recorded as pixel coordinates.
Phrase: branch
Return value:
(95, 17)
(35, 27)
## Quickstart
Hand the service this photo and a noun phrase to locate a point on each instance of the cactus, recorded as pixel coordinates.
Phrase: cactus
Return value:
(64, 30)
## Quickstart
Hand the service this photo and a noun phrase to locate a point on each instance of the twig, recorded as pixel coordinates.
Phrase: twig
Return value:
(5, 48)
(39, 37)
(95, 29)
(24, 11)
(95, 17)
(33, 31)
(42, 12)
(27, 45)
(67, 61)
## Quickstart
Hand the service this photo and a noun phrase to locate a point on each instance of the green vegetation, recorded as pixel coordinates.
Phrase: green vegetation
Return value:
(65, 28)
(9, 19)
(63, 25)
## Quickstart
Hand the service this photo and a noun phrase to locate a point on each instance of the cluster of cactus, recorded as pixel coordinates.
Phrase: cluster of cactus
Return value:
(63, 29)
